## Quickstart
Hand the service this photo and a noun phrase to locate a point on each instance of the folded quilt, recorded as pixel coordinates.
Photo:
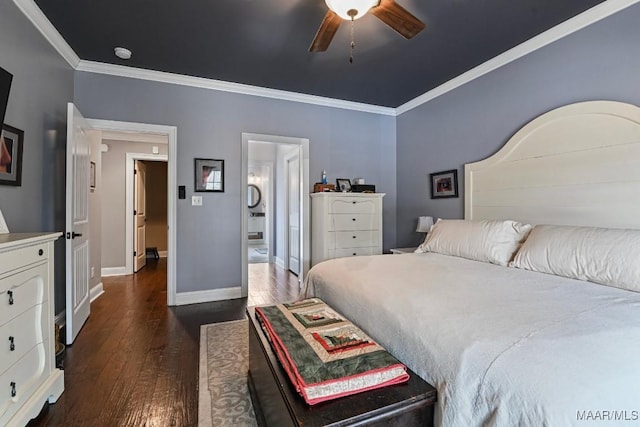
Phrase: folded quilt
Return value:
(325, 355)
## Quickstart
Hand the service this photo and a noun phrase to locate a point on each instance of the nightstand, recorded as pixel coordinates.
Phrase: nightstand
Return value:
(399, 251)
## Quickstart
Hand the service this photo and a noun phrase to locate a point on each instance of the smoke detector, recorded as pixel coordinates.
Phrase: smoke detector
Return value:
(122, 53)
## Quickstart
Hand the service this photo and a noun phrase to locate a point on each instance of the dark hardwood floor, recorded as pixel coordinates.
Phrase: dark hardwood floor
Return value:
(135, 362)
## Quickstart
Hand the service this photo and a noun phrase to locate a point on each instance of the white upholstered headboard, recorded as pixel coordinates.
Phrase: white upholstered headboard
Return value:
(575, 165)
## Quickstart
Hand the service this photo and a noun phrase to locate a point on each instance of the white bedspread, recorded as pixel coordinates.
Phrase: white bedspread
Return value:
(503, 346)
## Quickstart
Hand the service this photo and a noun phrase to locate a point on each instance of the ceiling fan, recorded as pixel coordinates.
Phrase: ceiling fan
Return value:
(388, 11)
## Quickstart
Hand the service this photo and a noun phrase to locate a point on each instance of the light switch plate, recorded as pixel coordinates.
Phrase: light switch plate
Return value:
(196, 200)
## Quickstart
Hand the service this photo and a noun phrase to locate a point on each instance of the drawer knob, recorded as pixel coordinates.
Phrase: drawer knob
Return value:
(12, 345)
(353, 219)
(353, 237)
(353, 203)
(40, 252)
(10, 293)
(13, 388)
(354, 254)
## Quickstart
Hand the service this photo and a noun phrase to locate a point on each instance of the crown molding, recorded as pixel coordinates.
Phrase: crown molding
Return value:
(564, 29)
(595, 14)
(31, 10)
(199, 82)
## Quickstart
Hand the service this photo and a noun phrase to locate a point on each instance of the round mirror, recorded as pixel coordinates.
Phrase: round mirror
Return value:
(253, 196)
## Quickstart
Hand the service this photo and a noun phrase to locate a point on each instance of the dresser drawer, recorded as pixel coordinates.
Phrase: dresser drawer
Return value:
(353, 239)
(349, 205)
(343, 253)
(22, 379)
(349, 222)
(23, 257)
(22, 333)
(21, 291)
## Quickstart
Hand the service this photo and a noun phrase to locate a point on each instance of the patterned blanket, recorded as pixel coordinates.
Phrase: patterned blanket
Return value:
(325, 355)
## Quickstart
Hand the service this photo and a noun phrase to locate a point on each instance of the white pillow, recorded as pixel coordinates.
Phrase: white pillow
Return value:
(602, 255)
(487, 241)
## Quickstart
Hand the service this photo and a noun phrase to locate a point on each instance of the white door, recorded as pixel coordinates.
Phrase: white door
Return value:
(140, 216)
(293, 196)
(77, 222)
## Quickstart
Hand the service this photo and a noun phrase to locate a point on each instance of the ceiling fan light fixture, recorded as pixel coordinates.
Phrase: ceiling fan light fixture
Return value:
(343, 7)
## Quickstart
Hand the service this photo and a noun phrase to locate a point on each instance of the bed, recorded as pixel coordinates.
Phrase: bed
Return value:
(550, 337)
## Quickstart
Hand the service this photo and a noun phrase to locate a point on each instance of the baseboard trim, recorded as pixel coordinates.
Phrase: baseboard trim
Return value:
(114, 271)
(195, 297)
(163, 254)
(96, 292)
(279, 262)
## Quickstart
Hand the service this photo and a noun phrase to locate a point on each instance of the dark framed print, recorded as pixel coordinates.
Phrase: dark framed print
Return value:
(92, 174)
(209, 175)
(343, 184)
(444, 184)
(11, 141)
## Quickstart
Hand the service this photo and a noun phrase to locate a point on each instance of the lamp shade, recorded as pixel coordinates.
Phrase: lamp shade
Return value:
(424, 224)
(342, 7)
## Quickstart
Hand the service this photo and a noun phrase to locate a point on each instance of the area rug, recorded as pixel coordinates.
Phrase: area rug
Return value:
(224, 362)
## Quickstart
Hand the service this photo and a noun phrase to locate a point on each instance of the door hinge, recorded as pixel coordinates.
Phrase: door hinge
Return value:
(135, 212)
(135, 172)
(134, 253)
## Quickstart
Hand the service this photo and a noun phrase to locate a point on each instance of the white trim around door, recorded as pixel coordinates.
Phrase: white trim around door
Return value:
(305, 246)
(131, 158)
(171, 132)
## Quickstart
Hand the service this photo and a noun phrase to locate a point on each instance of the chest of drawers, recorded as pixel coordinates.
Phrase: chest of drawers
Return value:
(28, 376)
(345, 224)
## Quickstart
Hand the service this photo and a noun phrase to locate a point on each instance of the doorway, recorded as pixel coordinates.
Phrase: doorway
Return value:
(259, 154)
(150, 211)
(140, 132)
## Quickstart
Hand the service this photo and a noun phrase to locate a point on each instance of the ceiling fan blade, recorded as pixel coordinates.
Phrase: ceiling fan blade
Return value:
(325, 33)
(398, 18)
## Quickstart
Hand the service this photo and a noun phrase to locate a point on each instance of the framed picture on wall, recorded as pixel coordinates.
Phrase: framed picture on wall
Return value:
(11, 141)
(444, 184)
(209, 175)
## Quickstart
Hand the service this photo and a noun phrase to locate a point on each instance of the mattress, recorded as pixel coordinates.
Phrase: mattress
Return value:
(502, 346)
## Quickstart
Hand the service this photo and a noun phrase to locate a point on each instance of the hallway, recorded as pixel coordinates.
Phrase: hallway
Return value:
(135, 362)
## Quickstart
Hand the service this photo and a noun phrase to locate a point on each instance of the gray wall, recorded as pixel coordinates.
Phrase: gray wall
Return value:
(472, 122)
(113, 197)
(210, 124)
(42, 86)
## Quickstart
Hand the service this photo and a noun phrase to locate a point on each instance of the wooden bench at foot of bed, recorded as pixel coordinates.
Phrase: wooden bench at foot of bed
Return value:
(276, 402)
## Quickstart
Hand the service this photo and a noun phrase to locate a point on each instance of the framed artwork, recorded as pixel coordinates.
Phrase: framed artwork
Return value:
(209, 175)
(444, 184)
(92, 175)
(11, 142)
(343, 184)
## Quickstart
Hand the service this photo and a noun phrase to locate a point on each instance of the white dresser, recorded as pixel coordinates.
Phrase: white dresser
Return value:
(28, 375)
(345, 224)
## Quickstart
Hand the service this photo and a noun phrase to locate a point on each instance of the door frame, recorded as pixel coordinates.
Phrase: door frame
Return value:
(171, 132)
(305, 245)
(285, 253)
(129, 202)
